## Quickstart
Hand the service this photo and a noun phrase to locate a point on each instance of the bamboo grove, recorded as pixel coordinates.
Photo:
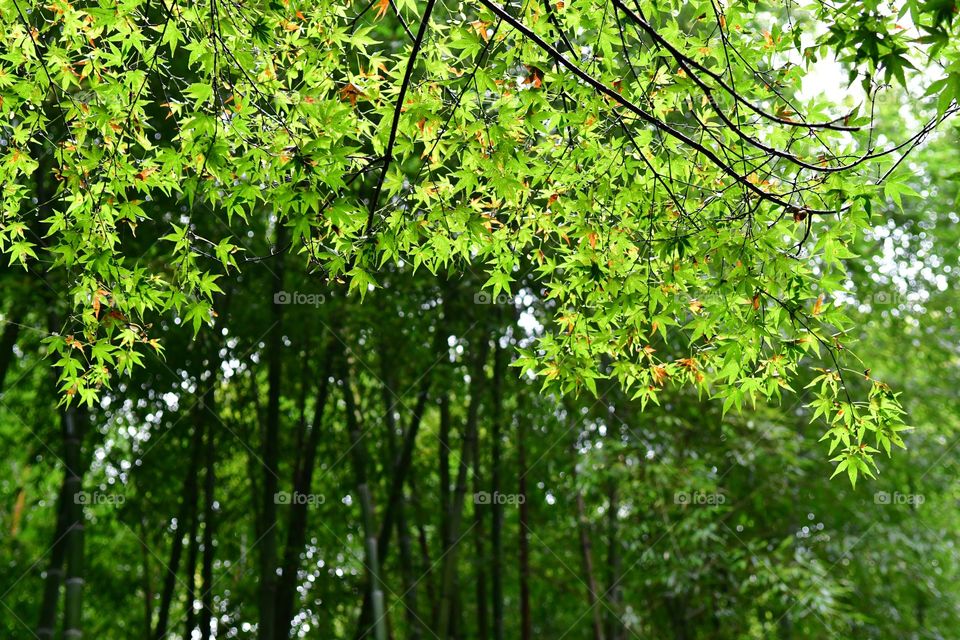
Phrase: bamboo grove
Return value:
(400, 319)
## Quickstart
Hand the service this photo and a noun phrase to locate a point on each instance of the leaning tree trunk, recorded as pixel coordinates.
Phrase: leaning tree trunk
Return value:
(401, 469)
(587, 558)
(393, 512)
(423, 547)
(360, 457)
(188, 501)
(302, 483)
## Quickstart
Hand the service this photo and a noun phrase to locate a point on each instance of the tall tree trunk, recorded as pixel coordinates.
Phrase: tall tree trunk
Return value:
(147, 580)
(253, 431)
(587, 559)
(209, 517)
(7, 341)
(73, 593)
(496, 418)
(480, 559)
(266, 629)
(455, 513)
(360, 456)
(414, 630)
(677, 611)
(46, 628)
(526, 623)
(191, 621)
(302, 485)
(444, 471)
(615, 630)
(409, 579)
(185, 515)
(423, 546)
(394, 504)
(401, 469)
(456, 620)
(66, 502)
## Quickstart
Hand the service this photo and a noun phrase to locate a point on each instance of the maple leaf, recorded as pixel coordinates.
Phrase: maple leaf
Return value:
(534, 78)
(351, 92)
(97, 296)
(659, 374)
(382, 7)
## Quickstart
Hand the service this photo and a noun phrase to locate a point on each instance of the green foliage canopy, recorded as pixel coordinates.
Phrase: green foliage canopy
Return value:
(655, 164)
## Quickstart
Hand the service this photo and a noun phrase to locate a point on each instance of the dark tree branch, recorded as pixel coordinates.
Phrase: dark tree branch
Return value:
(391, 141)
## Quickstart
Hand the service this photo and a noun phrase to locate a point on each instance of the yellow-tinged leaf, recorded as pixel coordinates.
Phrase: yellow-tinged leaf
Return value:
(818, 305)
(18, 507)
(480, 27)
